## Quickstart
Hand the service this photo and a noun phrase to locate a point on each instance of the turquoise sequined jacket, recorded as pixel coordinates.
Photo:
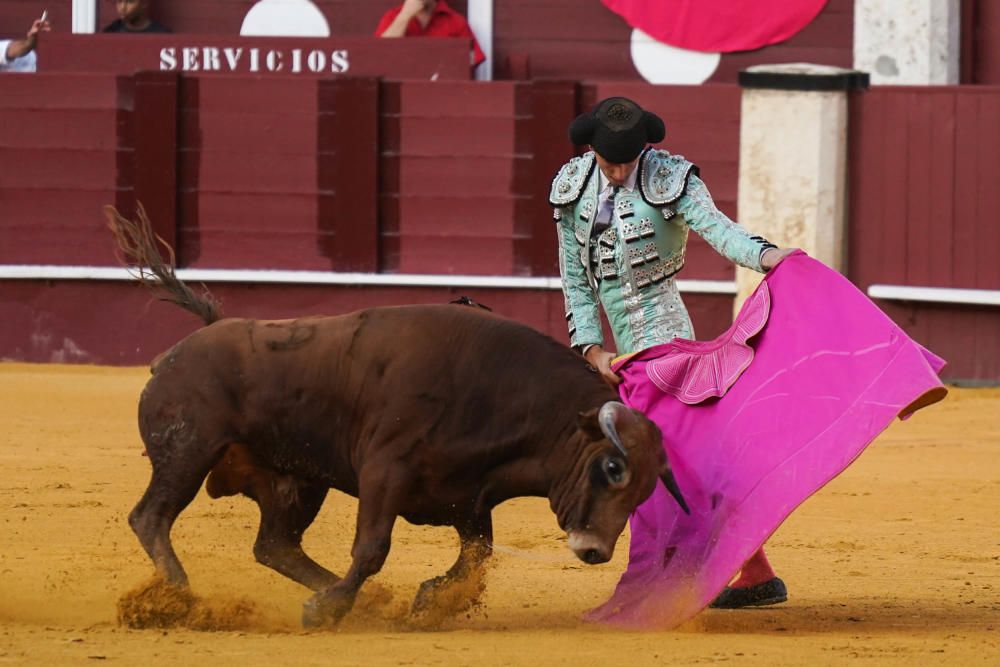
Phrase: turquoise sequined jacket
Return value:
(629, 268)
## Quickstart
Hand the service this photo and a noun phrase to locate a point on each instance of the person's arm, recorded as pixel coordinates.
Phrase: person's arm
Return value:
(397, 26)
(582, 312)
(729, 239)
(22, 47)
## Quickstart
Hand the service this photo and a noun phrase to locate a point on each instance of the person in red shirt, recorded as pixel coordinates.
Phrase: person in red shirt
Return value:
(428, 18)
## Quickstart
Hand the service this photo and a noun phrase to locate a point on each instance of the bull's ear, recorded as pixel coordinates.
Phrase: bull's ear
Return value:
(667, 477)
(589, 423)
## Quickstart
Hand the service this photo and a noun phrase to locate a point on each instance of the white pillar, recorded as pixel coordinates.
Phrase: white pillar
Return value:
(793, 156)
(908, 42)
(481, 21)
(84, 16)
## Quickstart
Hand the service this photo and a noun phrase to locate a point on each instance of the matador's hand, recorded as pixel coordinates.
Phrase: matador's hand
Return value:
(773, 256)
(601, 360)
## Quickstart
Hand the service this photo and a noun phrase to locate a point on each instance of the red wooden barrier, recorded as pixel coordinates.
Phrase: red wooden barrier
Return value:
(923, 211)
(62, 161)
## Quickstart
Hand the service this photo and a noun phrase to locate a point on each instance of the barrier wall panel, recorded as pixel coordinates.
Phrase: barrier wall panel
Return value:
(988, 194)
(247, 94)
(484, 255)
(238, 248)
(966, 231)
(251, 211)
(80, 91)
(436, 99)
(922, 187)
(49, 129)
(248, 172)
(265, 131)
(452, 136)
(454, 216)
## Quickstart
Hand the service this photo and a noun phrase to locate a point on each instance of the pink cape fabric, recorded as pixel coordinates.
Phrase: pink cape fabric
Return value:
(721, 26)
(828, 372)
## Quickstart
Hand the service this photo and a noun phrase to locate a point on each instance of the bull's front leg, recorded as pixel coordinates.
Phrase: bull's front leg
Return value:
(462, 586)
(381, 489)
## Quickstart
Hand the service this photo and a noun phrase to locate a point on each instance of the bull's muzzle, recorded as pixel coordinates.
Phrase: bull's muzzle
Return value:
(589, 548)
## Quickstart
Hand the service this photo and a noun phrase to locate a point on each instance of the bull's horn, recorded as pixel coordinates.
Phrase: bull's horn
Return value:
(667, 477)
(608, 418)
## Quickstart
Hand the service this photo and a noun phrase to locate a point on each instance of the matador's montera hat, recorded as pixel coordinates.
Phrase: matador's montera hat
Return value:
(618, 129)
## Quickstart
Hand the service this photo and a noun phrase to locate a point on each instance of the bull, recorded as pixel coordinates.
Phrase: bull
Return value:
(433, 413)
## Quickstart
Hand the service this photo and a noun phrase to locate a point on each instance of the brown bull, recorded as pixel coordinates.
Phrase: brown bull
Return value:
(433, 413)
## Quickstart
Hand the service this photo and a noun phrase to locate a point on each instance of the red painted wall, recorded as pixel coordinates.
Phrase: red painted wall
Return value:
(923, 211)
(66, 152)
(122, 324)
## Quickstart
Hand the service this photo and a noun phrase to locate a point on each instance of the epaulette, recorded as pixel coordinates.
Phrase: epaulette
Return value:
(663, 177)
(568, 184)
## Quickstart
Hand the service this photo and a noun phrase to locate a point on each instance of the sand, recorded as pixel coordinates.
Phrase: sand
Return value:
(894, 562)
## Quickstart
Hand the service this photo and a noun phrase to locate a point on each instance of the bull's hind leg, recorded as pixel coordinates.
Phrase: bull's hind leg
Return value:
(174, 484)
(288, 505)
(462, 586)
(285, 515)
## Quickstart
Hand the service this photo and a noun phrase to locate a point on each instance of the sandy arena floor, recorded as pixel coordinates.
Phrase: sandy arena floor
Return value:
(895, 562)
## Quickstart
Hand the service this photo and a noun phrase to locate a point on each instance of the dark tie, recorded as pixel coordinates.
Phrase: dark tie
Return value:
(603, 220)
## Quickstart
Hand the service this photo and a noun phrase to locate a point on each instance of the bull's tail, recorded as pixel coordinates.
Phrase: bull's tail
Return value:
(138, 251)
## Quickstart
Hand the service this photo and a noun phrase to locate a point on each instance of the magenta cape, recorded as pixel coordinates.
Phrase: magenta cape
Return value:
(754, 423)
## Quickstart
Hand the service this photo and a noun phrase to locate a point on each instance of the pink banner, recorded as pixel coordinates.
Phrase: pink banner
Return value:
(718, 26)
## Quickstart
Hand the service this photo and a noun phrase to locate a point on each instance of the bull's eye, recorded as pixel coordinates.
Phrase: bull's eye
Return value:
(614, 469)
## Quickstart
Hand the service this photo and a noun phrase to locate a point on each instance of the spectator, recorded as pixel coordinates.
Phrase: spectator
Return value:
(18, 55)
(133, 16)
(430, 18)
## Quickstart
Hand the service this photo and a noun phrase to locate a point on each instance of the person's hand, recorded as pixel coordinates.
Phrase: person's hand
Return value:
(773, 256)
(601, 360)
(38, 26)
(413, 7)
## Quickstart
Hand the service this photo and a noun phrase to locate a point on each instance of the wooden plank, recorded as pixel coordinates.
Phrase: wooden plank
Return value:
(248, 171)
(864, 211)
(918, 237)
(252, 211)
(966, 211)
(348, 226)
(236, 248)
(542, 131)
(452, 99)
(894, 147)
(452, 216)
(228, 131)
(59, 168)
(941, 195)
(492, 175)
(440, 136)
(244, 94)
(81, 129)
(456, 256)
(562, 60)
(987, 246)
(75, 92)
(155, 159)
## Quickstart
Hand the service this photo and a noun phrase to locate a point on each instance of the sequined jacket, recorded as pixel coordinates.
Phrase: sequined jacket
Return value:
(630, 267)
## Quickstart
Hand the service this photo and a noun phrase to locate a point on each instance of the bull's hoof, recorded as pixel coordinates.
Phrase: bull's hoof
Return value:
(324, 610)
(427, 594)
(443, 597)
